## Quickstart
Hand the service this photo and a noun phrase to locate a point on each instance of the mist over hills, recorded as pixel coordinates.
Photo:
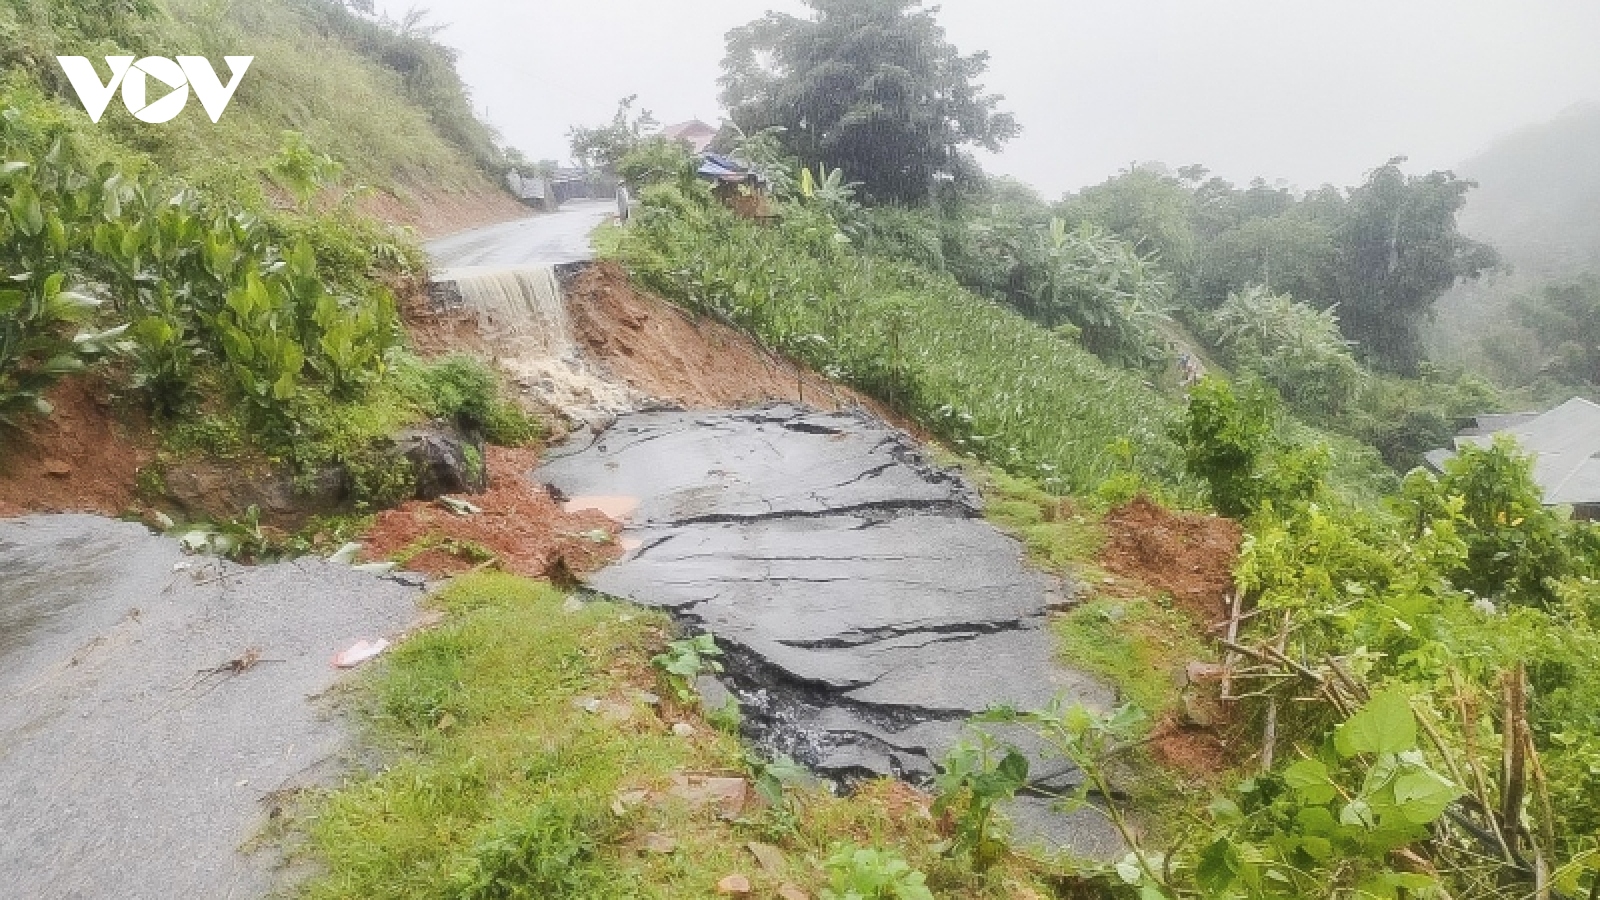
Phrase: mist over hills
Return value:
(1538, 201)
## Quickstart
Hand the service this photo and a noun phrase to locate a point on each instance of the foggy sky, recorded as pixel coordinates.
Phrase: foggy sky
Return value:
(1306, 91)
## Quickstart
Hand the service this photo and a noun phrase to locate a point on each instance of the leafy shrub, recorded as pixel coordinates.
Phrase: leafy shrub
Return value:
(977, 775)
(865, 873)
(1229, 440)
(466, 390)
(549, 855)
(908, 235)
(1296, 349)
(686, 660)
(198, 280)
(1516, 548)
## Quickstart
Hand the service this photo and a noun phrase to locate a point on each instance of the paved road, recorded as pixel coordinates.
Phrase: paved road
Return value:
(553, 238)
(867, 610)
(133, 763)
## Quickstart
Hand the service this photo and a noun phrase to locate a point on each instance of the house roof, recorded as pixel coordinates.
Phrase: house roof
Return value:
(697, 134)
(1565, 443)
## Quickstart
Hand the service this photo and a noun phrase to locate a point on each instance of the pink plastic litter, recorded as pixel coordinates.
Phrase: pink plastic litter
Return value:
(359, 652)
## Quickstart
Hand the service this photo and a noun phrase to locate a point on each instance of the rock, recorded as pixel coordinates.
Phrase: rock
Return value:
(443, 460)
(683, 730)
(659, 843)
(728, 795)
(1201, 711)
(790, 892)
(769, 857)
(734, 886)
(206, 489)
(1197, 672)
(56, 468)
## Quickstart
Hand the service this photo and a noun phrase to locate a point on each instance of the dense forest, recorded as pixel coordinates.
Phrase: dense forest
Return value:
(1531, 324)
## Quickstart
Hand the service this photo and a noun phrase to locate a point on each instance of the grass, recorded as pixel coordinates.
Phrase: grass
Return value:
(318, 69)
(978, 375)
(498, 784)
(1138, 644)
(1122, 632)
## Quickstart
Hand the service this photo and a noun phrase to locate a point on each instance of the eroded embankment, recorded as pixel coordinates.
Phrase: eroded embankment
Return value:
(868, 612)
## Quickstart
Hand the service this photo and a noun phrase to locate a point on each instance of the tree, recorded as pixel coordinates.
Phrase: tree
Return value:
(869, 86)
(1295, 348)
(603, 146)
(1399, 251)
(1565, 318)
(1145, 207)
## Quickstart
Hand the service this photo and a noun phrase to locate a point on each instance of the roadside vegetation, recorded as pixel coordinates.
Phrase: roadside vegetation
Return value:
(533, 749)
(1406, 659)
(221, 276)
(1407, 667)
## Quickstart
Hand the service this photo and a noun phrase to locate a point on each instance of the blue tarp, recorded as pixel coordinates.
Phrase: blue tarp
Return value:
(723, 168)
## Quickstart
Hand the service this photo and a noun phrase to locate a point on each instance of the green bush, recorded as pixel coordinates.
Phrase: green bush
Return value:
(467, 391)
(1296, 349)
(1517, 550)
(1229, 439)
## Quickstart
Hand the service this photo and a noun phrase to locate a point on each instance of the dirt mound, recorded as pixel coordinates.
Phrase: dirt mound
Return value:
(82, 458)
(1187, 555)
(660, 351)
(521, 526)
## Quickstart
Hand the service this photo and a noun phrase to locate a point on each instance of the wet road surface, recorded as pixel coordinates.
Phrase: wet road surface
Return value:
(134, 763)
(548, 239)
(867, 610)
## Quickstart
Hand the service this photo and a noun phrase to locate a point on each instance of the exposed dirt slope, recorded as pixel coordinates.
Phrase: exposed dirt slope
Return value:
(84, 458)
(659, 350)
(435, 211)
(1186, 555)
(521, 524)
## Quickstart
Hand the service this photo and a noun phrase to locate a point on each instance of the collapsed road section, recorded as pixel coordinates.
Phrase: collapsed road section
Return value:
(866, 609)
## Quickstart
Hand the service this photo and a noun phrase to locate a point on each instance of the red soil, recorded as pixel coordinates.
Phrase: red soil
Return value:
(1186, 555)
(82, 458)
(521, 524)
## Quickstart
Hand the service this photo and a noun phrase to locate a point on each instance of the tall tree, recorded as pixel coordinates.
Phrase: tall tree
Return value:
(1399, 250)
(870, 86)
(603, 146)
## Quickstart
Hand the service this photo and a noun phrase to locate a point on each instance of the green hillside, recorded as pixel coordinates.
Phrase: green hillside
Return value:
(383, 100)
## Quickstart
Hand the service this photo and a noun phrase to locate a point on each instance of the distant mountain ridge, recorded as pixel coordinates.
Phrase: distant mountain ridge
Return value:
(1538, 201)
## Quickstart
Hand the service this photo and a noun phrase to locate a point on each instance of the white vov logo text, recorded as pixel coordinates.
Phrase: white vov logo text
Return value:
(133, 78)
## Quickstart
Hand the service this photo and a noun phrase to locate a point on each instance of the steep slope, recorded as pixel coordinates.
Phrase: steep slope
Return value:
(382, 99)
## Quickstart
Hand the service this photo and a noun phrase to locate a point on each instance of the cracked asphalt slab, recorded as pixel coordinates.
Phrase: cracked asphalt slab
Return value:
(135, 762)
(866, 608)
